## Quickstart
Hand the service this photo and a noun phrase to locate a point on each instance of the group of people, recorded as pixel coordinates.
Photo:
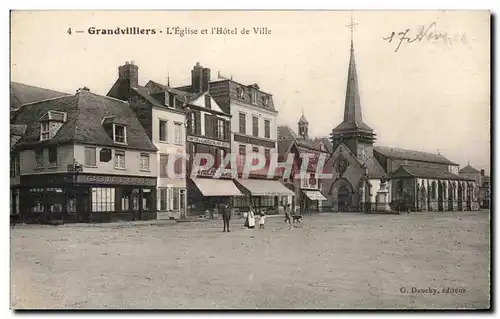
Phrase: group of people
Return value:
(291, 216)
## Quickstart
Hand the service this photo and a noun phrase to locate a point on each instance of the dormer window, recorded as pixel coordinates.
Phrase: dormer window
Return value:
(50, 123)
(253, 96)
(44, 131)
(167, 99)
(208, 102)
(119, 134)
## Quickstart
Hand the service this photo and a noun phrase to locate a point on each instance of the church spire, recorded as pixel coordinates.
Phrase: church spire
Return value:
(353, 119)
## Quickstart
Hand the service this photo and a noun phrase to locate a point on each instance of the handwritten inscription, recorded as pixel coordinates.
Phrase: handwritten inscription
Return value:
(428, 33)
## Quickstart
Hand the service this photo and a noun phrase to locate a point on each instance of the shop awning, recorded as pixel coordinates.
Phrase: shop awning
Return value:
(216, 187)
(314, 195)
(262, 187)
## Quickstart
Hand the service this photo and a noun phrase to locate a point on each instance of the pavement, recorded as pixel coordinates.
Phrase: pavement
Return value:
(329, 261)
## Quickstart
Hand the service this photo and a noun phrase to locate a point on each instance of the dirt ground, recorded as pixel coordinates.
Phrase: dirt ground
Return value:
(331, 261)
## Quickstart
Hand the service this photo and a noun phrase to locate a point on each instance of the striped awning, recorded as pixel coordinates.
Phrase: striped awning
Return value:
(314, 195)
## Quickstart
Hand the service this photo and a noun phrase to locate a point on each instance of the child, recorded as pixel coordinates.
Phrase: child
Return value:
(262, 221)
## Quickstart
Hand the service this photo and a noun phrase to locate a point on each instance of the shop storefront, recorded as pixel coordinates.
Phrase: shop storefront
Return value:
(263, 195)
(87, 198)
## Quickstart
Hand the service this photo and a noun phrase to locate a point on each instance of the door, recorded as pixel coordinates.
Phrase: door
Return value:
(183, 202)
(343, 198)
(135, 203)
(440, 196)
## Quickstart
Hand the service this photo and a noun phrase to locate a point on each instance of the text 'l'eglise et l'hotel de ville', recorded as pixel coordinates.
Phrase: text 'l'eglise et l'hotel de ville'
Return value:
(86, 157)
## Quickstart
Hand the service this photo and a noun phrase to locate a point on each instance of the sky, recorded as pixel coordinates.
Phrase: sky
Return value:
(429, 95)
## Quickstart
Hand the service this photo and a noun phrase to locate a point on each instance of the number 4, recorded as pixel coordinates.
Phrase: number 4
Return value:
(69, 31)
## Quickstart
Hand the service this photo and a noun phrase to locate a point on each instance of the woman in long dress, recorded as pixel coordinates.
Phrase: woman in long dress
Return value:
(251, 218)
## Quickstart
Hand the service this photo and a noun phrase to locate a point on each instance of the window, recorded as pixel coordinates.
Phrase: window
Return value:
(167, 99)
(267, 129)
(163, 198)
(254, 97)
(243, 123)
(103, 199)
(219, 130)
(193, 123)
(255, 160)
(125, 200)
(119, 134)
(120, 159)
(176, 198)
(39, 158)
(255, 126)
(90, 156)
(177, 164)
(209, 126)
(208, 102)
(163, 131)
(178, 133)
(242, 149)
(144, 162)
(53, 156)
(44, 131)
(163, 165)
(267, 154)
(14, 166)
(147, 200)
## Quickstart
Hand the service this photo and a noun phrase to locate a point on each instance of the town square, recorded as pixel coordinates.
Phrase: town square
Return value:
(219, 170)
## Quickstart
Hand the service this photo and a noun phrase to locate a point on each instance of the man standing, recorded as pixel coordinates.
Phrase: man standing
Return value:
(226, 216)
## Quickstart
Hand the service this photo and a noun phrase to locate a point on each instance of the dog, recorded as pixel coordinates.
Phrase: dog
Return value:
(297, 218)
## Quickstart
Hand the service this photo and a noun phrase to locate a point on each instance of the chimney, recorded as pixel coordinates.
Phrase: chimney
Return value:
(206, 79)
(128, 74)
(482, 172)
(200, 77)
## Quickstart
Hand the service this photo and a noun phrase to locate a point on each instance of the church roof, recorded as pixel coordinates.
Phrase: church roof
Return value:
(425, 172)
(468, 169)
(353, 119)
(412, 155)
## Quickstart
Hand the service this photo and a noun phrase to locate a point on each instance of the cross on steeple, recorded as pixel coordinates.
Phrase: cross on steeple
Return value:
(351, 26)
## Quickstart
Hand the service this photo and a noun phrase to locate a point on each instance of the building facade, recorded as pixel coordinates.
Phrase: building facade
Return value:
(307, 190)
(161, 114)
(252, 130)
(83, 158)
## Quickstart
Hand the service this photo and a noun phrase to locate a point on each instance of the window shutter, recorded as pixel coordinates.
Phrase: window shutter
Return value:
(198, 123)
(216, 126)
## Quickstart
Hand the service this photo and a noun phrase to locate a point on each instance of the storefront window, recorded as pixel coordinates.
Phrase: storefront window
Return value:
(71, 207)
(147, 199)
(103, 199)
(163, 199)
(125, 202)
(267, 201)
(176, 198)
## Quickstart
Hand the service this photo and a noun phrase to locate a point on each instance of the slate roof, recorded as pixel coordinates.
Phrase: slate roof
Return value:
(283, 147)
(400, 153)
(85, 111)
(424, 172)
(353, 120)
(21, 94)
(285, 132)
(469, 169)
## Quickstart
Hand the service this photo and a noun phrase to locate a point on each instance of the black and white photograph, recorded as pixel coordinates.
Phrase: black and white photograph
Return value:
(251, 160)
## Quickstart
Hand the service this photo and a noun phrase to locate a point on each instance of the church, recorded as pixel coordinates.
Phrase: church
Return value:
(368, 178)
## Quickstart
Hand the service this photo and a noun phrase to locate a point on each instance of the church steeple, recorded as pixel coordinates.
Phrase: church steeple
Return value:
(352, 127)
(303, 126)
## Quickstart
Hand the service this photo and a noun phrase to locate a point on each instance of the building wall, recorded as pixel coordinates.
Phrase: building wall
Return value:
(250, 112)
(169, 146)
(65, 155)
(132, 162)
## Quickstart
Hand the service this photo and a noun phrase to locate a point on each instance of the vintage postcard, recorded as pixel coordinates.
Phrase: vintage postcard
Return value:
(250, 160)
